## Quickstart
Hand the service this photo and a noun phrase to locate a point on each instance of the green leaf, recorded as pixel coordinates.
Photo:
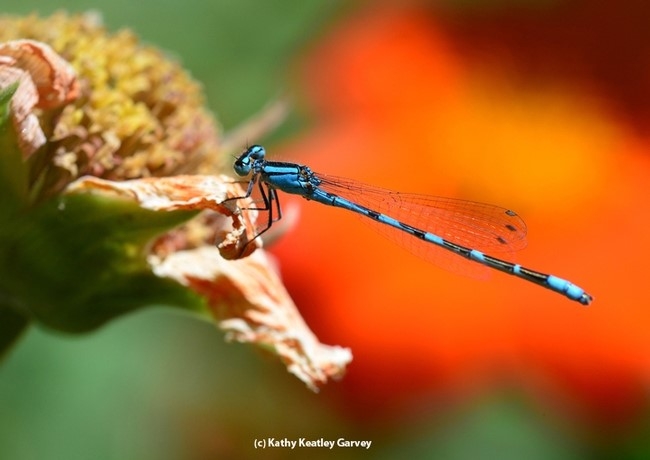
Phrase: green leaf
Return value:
(13, 170)
(78, 261)
(13, 187)
(5, 97)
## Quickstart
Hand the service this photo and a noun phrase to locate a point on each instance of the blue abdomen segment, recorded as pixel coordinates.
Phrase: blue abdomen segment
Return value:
(569, 289)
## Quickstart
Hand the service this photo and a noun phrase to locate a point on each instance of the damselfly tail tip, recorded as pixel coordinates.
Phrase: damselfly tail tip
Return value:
(585, 299)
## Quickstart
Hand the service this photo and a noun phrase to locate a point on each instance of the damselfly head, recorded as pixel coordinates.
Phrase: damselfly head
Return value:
(256, 152)
(244, 163)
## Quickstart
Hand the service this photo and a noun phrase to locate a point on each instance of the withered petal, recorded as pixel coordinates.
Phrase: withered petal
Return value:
(54, 78)
(167, 193)
(251, 304)
(45, 81)
(186, 192)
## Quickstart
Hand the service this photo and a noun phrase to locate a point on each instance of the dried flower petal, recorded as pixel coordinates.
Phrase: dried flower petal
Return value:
(46, 81)
(54, 78)
(252, 305)
(203, 193)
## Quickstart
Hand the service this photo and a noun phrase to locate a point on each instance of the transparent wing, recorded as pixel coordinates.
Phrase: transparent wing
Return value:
(487, 228)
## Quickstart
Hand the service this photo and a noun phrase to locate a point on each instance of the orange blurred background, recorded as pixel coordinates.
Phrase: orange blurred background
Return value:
(544, 110)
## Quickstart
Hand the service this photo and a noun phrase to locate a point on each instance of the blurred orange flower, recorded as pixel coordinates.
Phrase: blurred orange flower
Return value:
(398, 105)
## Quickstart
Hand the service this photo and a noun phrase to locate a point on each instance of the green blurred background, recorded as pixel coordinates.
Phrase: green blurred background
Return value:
(159, 385)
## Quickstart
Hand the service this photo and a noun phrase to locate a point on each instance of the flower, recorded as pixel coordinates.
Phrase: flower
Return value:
(111, 203)
(138, 115)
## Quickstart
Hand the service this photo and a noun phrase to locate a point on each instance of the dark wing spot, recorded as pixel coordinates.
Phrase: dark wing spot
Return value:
(511, 213)
(512, 228)
(501, 240)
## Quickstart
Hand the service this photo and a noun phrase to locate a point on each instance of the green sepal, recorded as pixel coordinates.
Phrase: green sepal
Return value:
(5, 97)
(77, 261)
(13, 170)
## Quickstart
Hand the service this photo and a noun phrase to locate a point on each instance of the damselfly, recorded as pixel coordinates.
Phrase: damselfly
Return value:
(436, 227)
